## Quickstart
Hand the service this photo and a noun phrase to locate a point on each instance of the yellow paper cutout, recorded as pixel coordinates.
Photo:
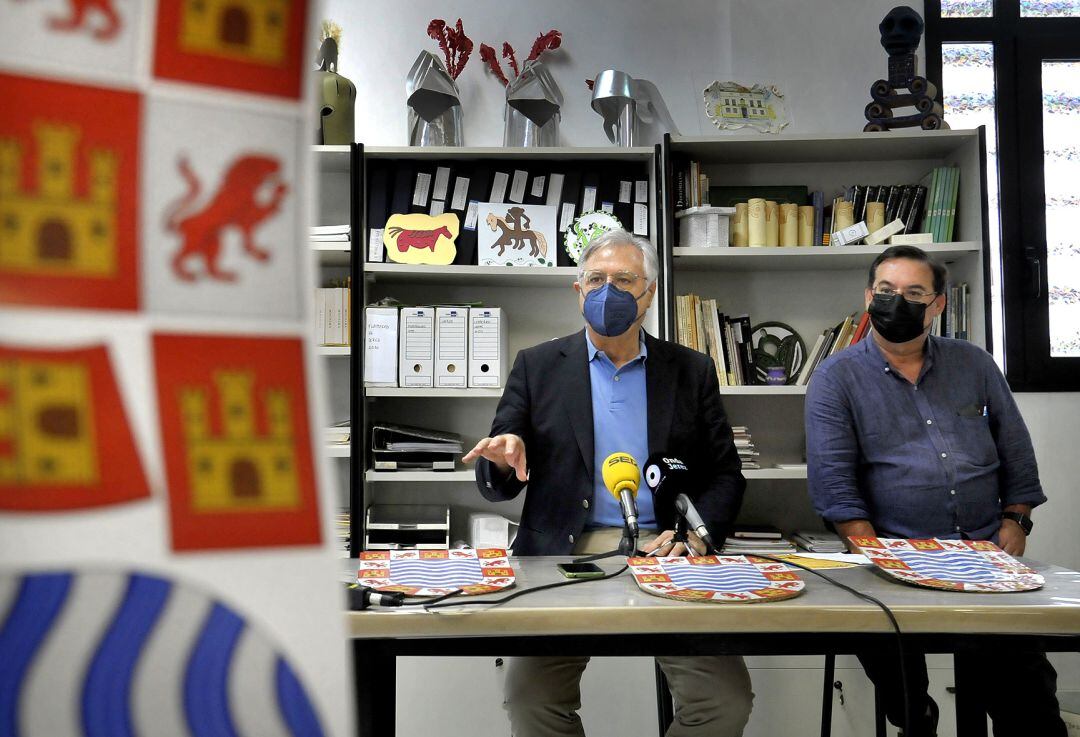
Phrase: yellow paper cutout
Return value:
(246, 30)
(421, 239)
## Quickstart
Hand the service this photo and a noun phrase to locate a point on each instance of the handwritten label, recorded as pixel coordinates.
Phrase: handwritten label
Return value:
(554, 193)
(438, 207)
(566, 216)
(470, 216)
(498, 187)
(624, 191)
(442, 181)
(461, 191)
(537, 189)
(517, 189)
(588, 199)
(420, 191)
(641, 219)
(641, 190)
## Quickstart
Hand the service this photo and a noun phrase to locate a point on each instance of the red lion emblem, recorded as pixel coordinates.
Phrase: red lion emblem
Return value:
(407, 239)
(236, 204)
(77, 18)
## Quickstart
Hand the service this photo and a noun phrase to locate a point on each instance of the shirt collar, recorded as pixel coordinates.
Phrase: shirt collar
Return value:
(874, 354)
(643, 352)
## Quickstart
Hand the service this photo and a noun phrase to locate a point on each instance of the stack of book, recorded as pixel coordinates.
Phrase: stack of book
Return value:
(691, 187)
(726, 339)
(338, 433)
(333, 313)
(943, 185)
(329, 233)
(745, 447)
(818, 542)
(851, 330)
(764, 539)
(402, 447)
(955, 321)
(905, 202)
(341, 529)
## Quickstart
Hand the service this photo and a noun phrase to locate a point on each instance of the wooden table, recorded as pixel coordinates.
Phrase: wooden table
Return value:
(614, 617)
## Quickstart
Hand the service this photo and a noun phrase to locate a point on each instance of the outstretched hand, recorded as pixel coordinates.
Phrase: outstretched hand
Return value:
(505, 451)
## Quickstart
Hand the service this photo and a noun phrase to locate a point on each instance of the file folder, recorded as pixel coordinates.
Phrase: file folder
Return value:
(487, 347)
(416, 359)
(380, 346)
(451, 347)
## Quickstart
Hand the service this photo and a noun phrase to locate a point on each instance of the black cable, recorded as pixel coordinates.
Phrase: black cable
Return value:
(888, 613)
(523, 592)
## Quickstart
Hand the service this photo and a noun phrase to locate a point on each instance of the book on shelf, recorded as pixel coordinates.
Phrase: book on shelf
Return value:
(955, 321)
(333, 313)
(701, 326)
(329, 233)
(338, 433)
(846, 333)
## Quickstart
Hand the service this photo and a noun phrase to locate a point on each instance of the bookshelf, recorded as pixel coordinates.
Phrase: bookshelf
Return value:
(539, 304)
(810, 288)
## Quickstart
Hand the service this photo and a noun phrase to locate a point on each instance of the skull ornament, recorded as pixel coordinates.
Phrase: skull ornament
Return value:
(901, 30)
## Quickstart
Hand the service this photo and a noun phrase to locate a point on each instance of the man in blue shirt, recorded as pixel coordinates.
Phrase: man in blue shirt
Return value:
(914, 436)
(569, 404)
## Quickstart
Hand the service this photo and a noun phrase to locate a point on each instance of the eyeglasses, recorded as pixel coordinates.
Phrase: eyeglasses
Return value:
(911, 295)
(594, 279)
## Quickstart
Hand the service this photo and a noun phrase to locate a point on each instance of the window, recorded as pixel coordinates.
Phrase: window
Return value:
(1014, 66)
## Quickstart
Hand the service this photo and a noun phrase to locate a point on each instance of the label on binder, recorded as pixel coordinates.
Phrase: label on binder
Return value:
(420, 191)
(470, 216)
(442, 181)
(566, 216)
(537, 189)
(624, 191)
(375, 246)
(641, 190)
(641, 219)
(498, 187)
(588, 199)
(461, 193)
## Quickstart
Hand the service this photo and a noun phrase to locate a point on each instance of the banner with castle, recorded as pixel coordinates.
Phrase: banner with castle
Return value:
(165, 526)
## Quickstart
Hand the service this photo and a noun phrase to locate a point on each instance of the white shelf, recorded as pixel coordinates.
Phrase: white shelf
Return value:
(797, 259)
(788, 390)
(332, 254)
(793, 148)
(775, 473)
(337, 450)
(397, 391)
(640, 153)
(334, 350)
(509, 276)
(459, 476)
(332, 158)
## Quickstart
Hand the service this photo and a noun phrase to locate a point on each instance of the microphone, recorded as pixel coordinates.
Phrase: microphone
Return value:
(689, 512)
(621, 477)
(665, 476)
(365, 597)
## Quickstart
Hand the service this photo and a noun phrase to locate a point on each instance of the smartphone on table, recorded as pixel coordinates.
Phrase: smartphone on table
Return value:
(581, 570)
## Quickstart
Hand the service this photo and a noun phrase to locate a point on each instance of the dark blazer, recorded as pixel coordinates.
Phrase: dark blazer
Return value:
(548, 402)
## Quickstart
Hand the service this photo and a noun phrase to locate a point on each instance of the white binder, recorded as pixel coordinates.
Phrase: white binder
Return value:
(451, 346)
(380, 346)
(487, 347)
(416, 361)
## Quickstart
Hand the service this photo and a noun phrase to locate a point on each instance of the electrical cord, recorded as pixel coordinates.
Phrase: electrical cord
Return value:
(531, 590)
(888, 613)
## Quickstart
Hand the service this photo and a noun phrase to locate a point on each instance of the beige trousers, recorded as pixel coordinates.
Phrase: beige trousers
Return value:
(712, 694)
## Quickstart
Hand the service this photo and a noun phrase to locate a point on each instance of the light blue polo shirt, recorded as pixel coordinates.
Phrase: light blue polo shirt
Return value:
(620, 425)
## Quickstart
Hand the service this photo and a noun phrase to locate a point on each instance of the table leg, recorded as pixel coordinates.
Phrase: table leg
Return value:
(827, 695)
(375, 670)
(970, 711)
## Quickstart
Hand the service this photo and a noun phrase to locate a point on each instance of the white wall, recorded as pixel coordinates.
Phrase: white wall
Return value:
(661, 41)
(823, 55)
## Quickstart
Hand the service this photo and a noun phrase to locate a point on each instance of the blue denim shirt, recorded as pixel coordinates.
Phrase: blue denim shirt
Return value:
(620, 425)
(937, 458)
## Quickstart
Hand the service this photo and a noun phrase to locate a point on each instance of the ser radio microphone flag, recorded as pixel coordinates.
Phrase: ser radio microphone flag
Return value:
(621, 477)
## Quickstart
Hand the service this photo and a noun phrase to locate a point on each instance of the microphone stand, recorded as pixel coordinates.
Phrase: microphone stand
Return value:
(681, 530)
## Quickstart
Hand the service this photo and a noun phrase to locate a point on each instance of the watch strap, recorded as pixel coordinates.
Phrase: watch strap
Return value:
(1021, 519)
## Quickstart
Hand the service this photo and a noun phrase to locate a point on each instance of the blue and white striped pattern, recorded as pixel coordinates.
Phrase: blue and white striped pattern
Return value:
(726, 578)
(434, 573)
(949, 565)
(123, 655)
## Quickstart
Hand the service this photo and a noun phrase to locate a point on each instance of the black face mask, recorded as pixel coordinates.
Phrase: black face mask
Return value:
(895, 319)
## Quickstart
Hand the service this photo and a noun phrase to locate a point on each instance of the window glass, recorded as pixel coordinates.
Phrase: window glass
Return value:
(967, 8)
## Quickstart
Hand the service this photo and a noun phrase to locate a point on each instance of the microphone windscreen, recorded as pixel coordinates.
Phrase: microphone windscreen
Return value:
(620, 471)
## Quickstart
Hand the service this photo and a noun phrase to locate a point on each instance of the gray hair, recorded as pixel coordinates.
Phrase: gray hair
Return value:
(619, 237)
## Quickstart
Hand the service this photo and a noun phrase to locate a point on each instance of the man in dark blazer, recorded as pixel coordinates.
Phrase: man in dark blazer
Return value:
(567, 405)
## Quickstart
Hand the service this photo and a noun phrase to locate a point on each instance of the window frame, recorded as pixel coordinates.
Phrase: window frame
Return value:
(1028, 364)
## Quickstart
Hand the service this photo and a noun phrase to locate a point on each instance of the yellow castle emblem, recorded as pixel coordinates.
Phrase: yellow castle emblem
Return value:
(241, 469)
(246, 30)
(51, 231)
(46, 428)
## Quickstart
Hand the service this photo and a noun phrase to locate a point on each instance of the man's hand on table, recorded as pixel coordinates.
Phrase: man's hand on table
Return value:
(505, 451)
(1011, 537)
(662, 545)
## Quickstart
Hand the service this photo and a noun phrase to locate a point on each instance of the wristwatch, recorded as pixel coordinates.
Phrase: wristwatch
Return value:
(1021, 519)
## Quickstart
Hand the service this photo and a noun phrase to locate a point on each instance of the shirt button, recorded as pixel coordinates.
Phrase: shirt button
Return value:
(952, 491)
(616, 378)
(944, 455)
(958, 528)
(572, 537)
(585, 503)
(929, 422)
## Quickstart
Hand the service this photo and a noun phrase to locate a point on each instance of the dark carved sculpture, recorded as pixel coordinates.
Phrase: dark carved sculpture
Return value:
(901, 31)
